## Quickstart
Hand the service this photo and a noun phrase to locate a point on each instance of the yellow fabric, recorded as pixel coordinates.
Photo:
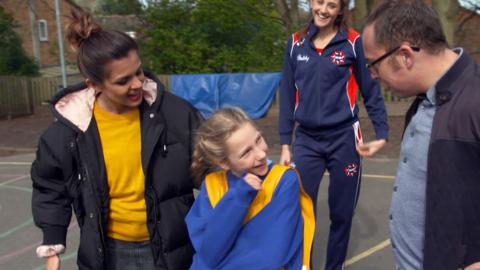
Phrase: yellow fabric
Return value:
(216, 184)
(308, 215)
(120, 137)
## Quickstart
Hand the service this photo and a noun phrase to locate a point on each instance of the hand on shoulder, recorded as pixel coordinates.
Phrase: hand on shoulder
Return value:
(285, 155)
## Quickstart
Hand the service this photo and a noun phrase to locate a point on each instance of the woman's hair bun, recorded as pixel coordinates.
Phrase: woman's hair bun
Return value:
(80, 27)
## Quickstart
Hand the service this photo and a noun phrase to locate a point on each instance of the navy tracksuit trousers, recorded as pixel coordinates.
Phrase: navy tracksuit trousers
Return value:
(334, 150)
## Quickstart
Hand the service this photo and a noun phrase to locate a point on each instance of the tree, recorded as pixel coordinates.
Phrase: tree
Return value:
(361, 11)
(448, 11)
(292, 14)
(120, 7)
(196, 36)
(13, 59)
(288, 10)
(205, 36)
(467, 31)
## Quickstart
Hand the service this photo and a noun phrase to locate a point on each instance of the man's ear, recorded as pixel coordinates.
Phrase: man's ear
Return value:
(408, 55)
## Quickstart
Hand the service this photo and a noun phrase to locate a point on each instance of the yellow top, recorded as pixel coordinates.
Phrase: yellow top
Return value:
(216, 184)
(121, 145)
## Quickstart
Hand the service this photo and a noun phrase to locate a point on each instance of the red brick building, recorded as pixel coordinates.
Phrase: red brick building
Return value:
(468, 34)
(38, 29)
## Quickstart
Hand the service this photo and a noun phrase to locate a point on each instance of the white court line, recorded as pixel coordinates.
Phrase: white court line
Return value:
(368, 252)
(376, 176)
(14, 180)
(15, 163)
(380, 246)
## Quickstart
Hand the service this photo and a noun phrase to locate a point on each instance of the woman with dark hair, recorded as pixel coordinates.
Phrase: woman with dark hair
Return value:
(323, 69)
(119, 154)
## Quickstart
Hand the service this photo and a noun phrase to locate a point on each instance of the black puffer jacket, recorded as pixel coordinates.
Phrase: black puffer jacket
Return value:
(69, 170)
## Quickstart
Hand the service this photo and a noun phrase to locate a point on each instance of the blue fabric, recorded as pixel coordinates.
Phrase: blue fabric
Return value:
(321, 82)
(335, 152)
(407, 210)
(270, 240)
(253, 92)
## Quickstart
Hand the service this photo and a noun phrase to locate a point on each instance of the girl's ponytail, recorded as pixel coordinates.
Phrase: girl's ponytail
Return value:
(199, 165)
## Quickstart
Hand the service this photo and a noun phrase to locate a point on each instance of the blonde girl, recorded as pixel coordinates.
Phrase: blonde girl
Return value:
(251, 214)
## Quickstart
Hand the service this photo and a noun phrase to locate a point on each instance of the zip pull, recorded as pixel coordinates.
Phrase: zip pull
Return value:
(164, 150)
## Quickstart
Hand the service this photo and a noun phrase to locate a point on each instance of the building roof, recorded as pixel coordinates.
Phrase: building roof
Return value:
(122, 23)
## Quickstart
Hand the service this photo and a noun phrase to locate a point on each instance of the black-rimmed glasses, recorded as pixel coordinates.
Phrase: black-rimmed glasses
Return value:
(387, 54)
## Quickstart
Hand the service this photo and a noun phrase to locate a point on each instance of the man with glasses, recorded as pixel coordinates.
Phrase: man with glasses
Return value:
(435, 211)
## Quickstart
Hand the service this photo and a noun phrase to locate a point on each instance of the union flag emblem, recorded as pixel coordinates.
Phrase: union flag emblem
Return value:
(337, 57)
(351, 169)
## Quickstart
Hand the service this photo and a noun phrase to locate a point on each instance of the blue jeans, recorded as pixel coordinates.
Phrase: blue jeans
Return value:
(123, 255)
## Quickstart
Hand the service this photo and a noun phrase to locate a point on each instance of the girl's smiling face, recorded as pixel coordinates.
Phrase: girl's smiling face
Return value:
(246, 152)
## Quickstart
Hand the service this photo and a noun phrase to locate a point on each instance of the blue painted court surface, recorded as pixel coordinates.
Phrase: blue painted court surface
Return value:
(369, 245)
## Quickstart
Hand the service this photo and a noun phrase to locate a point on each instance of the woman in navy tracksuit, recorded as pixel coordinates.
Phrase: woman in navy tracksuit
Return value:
(324, 66)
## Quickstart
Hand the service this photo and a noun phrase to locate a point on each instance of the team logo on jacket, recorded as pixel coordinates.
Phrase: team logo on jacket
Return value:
(337, 57)
(351, 169)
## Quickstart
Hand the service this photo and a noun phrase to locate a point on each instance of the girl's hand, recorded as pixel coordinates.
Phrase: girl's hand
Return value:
(285, 155)
(52, 263)
(371, 148)
(253, 181)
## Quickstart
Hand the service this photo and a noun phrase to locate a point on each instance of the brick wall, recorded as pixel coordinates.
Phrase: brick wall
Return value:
(19, 11)
(44, 10)
(468, 35)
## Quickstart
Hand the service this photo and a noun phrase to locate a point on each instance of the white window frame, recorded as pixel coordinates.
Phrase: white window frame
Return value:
(42, 26)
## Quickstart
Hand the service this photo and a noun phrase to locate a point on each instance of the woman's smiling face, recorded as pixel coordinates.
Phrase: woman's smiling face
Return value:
(325, 12)
(121, 91)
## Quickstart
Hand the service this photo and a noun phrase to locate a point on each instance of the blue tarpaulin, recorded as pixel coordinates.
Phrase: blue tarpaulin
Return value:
(253, 92)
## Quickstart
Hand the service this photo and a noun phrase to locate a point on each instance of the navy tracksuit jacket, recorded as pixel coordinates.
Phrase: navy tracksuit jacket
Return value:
(318, 91)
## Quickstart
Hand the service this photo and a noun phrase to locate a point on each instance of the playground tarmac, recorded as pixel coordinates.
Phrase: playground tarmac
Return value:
(369, 242)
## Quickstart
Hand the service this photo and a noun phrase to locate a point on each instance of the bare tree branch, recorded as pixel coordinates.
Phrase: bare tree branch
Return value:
(472, 8)
(256, 11)
(283, 9)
